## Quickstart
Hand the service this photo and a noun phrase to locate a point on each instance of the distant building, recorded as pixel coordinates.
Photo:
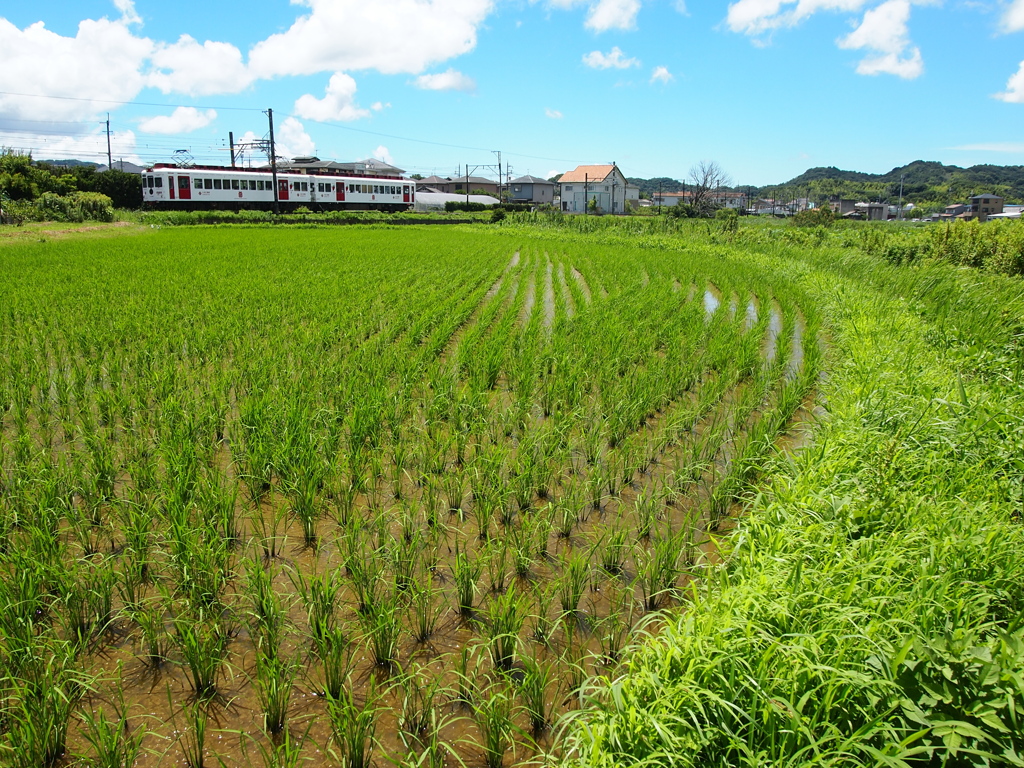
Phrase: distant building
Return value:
(843, 207)
(530, 189)
(604, 184)
(983, 206)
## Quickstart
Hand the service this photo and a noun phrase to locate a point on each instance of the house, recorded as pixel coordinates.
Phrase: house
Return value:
(457, 185)
(982, 206)
(843, 207)
(530, 189)
(605, 185)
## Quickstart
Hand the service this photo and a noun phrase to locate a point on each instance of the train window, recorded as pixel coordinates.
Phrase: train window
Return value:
(305, 187)
(245, 184)
(183, 182)
(207, 183)
(216, 183)
(159, 182)
(405, 190)
(234, 183)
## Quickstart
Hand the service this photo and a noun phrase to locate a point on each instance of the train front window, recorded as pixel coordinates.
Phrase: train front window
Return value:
(159, 182)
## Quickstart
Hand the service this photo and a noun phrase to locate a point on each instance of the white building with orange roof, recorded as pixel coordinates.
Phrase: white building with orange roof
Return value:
(606, 185)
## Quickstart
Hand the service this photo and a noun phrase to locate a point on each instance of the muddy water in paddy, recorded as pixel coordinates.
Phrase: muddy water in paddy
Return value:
(712, 300)
(750, 319)
(582, 282)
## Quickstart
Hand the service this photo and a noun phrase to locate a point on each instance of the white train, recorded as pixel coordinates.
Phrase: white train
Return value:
(211, 187)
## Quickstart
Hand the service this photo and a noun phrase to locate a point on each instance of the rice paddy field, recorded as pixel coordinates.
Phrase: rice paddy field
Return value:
(506, 496)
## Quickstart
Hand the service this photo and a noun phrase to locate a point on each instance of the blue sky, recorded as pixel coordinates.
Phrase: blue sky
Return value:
(767, 88)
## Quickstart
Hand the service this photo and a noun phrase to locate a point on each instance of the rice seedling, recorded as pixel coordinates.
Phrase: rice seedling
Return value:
(275, 675)
(319, 595)
(505, 616)
(466, 573)
(535, 693)
(381, 627)
(493, 714)
(572, 583)
(116, 743)
(192, 737)
(202, 640)
(332, 649)
(425, 610)
(354, 725)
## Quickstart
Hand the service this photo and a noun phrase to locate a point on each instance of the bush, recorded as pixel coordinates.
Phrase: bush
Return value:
(497, 215)
(76, 207)
(814, 217)
(452, 206)
(730, 219)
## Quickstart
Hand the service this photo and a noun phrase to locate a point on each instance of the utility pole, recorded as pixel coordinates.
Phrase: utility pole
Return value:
(231, 141)
(467, 186)
(899, 214)
(273, 162)
(586, 194)
(498, 153)
(110, 159)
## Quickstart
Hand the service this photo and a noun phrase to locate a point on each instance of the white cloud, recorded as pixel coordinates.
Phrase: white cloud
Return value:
(753, 17)
(1013, 17)
(338, 102)
(390, 36)
(449, 80)
(127, 9)
(379, 106)
(181, 120)
(291, 140)
(612, 14)
(91, 147)
(198, 70)
(615, 58)
(661, 75)
(554, 114)
(381, 153)
(1014, 93)
(884, 30)
(605, 14)
(102, 62)
(681, 7)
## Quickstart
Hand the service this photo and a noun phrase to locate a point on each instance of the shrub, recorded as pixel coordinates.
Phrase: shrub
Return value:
(814, 217)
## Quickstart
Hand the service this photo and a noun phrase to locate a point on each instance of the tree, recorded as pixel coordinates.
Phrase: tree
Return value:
(705, 178)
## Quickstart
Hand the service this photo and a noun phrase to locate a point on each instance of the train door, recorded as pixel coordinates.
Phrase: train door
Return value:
(340, 192)
(405, 193)
(184, 189)
(282, 189)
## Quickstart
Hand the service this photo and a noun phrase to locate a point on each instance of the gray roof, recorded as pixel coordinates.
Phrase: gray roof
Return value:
(531, 180)
(978, 197)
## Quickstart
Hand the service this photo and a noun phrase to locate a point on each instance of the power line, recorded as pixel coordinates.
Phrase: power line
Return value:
(318, 122)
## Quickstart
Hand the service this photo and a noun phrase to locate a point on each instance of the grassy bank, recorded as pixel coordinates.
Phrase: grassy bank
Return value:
(870, 612)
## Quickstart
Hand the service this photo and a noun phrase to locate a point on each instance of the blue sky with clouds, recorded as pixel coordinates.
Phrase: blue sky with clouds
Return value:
(767, 88)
